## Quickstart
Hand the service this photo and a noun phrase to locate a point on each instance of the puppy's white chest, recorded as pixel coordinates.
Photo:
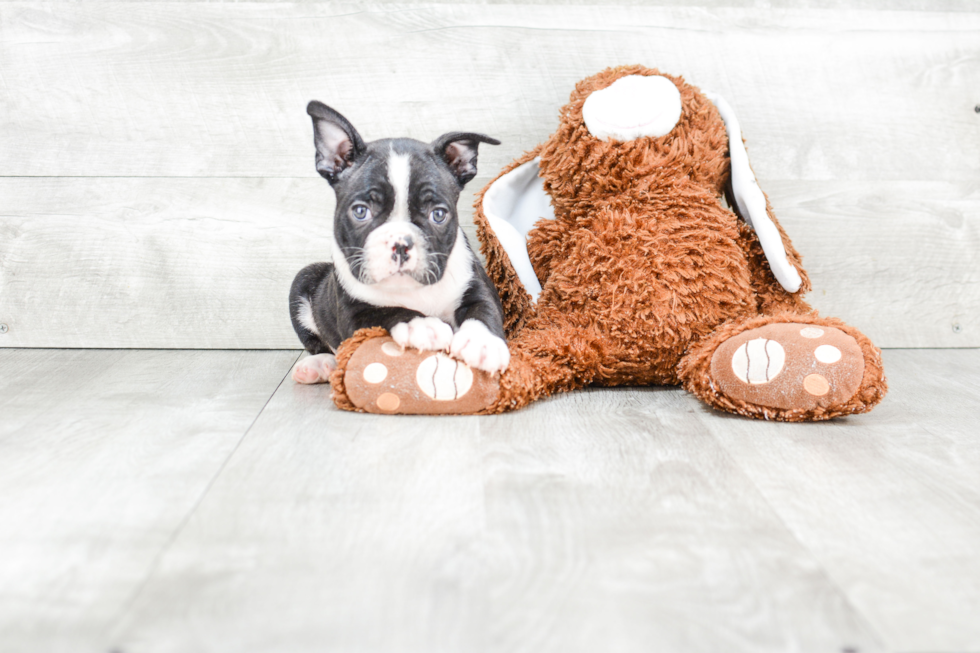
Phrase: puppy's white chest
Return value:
(441, 303)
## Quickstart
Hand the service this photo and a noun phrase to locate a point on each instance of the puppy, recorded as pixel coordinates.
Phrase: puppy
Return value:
(400, 260)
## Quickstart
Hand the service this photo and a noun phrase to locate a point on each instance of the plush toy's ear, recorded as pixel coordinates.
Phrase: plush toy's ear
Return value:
(459, 150)
(338, 144)
(750, 201)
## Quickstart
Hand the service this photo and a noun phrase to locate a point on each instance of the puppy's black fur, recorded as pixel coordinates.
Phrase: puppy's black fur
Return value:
(323, 312)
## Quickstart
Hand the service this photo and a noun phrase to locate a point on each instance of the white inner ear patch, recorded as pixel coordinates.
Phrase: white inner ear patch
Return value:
(631, 107)
(512, 206)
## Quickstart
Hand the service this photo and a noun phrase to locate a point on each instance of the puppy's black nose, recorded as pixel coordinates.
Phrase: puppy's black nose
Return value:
(399, 252)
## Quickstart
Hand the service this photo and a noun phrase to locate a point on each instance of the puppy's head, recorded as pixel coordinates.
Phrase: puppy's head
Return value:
(396, 220)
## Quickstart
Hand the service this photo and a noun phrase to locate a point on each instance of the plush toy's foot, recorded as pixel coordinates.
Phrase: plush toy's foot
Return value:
(789, 367)
(381, 377)
(792, 371)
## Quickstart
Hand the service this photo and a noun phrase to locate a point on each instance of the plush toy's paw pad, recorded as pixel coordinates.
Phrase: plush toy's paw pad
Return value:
(428, 333)
(314, 369)
(383, 377)
(789, 366)
(477, 347)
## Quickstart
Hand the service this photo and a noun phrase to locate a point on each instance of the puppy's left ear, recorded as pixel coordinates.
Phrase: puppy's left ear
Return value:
(338, 145)
(459, 150)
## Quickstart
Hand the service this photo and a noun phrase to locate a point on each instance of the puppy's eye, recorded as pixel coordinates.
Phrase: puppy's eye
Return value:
(360, 212)
(438, 215)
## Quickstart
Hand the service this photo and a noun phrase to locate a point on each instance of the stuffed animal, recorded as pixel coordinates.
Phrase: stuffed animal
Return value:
(618, 263)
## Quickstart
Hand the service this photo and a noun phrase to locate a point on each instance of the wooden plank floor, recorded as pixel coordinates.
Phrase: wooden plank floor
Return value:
(192, 501)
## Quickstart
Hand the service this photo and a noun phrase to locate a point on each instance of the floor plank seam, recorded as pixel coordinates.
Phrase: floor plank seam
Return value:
(128, 605)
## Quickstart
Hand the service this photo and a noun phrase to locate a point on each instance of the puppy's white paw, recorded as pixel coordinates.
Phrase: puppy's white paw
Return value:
(426, 333)
(477, 347)
(314, 369)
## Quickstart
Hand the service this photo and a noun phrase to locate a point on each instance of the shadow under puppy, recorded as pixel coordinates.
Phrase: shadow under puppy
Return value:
(400, 259)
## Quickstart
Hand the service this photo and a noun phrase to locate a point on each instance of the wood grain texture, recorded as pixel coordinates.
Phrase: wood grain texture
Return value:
(103, 454)
(199, 263)
(889, 505)
(898, 260)
(328, 531)
(219, 89)
(615, 521)
(597, 521)
(860, 122)
(157, 262)
(878, 5)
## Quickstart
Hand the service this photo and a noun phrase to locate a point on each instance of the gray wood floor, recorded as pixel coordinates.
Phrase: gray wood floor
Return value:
(195, 501)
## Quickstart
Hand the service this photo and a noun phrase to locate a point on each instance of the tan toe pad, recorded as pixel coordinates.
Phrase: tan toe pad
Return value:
(789, 366)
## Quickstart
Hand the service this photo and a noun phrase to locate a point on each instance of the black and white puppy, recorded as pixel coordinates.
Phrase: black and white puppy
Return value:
(400, 260)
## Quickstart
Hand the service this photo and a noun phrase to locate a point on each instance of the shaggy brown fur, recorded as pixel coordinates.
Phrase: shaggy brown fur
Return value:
(644, 274)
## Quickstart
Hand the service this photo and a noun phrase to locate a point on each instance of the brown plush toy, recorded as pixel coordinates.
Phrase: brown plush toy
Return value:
(618, 263)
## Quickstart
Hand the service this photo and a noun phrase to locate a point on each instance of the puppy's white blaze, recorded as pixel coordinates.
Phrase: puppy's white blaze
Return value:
(440, 299)
(399, 176)
(305, 315)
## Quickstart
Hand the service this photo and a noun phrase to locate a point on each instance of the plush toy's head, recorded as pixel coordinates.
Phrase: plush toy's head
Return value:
(631, 141)
(628, 129)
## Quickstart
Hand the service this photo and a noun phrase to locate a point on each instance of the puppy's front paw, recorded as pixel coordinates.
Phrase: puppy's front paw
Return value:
(314, 369)
(426, 333)
(477, 347)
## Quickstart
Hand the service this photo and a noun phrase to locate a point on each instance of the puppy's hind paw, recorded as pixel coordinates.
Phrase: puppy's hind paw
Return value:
(425, 333)
(477, 347)
(314, 369)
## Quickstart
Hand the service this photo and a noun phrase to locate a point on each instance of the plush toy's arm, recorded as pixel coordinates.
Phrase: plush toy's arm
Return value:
(752, 205)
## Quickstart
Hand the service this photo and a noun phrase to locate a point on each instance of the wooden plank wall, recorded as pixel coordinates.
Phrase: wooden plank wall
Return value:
(156, 166)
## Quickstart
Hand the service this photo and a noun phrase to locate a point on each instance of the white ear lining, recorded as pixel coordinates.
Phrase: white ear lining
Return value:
(512, 205)
(752, 202)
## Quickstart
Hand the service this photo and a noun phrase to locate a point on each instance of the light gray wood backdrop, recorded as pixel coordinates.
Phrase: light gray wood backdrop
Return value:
(156, 166)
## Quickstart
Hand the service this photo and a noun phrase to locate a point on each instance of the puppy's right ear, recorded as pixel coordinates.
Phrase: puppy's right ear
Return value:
(338, 144)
